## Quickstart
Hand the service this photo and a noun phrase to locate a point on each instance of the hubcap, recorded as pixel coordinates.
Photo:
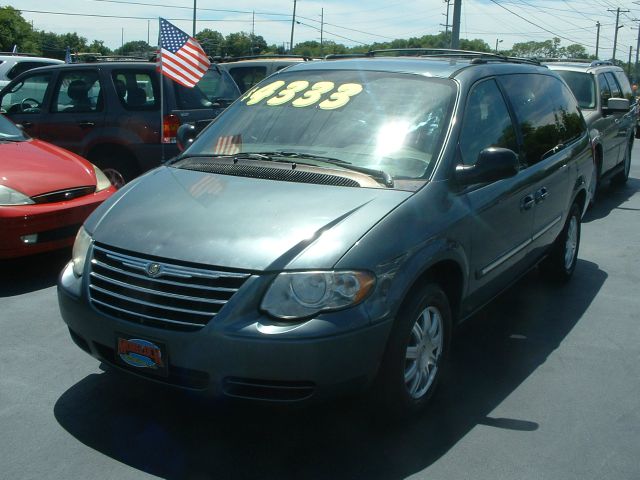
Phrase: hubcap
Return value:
(423, 352)
(114, 176)
(571, 243)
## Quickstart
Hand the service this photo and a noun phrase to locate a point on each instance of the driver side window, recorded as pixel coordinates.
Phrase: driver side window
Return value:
(486, 123)
(26, 96)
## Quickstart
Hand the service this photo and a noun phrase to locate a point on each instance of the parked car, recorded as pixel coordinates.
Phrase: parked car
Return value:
(13, 64)
(607, 102)
(248, 71)
(330, 228)
(109, 112)
(45, 193)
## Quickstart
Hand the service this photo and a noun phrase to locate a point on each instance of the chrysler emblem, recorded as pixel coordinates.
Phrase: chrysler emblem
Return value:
(153, 269)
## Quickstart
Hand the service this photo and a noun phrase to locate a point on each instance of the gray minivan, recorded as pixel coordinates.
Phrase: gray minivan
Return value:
(327, 231)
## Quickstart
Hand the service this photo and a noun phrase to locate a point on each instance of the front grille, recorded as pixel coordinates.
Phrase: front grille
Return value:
(178, 296)
(63, 195)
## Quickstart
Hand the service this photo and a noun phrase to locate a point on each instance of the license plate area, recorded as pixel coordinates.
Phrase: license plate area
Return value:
(142, 355)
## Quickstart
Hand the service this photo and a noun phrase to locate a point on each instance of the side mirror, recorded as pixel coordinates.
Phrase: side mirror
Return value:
(493, 164)
(185, 136)
(616, 105)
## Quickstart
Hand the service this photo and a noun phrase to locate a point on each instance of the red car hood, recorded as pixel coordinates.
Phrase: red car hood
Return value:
(34, 167)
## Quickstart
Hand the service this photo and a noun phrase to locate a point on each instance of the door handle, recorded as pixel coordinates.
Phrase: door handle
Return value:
(86, 124)
(527, 202)
(541, 194)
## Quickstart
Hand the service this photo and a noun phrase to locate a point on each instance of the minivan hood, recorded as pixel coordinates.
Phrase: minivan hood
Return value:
(237, 222)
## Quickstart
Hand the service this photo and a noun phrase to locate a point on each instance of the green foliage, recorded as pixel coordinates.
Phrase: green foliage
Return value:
(136, 48)
(15, 30)
(212, 42)
(549, 49)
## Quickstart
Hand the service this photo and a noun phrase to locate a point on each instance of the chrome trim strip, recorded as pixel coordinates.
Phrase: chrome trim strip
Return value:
(547, 228)
(147, 304)
(172, 269)
(156, 292)
(505, 257)
(150, 317)
(161, 280)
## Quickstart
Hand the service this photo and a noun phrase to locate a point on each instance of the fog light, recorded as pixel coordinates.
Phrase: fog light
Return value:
(29, 239)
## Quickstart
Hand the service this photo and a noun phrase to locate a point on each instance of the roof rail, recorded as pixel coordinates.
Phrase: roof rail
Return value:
(96, 57)
(259, 57)
(476, 57)
(16, 54)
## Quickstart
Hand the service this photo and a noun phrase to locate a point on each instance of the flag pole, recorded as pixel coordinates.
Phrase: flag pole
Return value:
(160, 76)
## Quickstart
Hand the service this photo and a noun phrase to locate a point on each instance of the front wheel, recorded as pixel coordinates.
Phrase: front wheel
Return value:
(622, 177)
(415, 352)
(561, 262)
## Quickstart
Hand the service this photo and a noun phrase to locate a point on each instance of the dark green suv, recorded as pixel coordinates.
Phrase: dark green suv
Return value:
(327, 231)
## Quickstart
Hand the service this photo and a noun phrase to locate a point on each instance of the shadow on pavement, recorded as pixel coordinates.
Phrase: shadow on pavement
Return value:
(175, 435)
(610, 197)
(28, 274)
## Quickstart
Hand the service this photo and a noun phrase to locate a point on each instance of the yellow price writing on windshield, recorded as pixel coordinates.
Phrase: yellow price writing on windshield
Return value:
(307, 95)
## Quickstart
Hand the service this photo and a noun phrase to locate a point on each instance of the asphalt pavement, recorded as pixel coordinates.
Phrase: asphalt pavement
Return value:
(544, 383)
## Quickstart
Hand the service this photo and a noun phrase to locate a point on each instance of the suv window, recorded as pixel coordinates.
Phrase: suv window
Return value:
(605, 90)
(218, 85)
(136, 89)
(623, 81)
(583, 87)
(247, 77)
(547, 113)
(486, 123)
(616, 92)
(77, 91)
(20, 67)
(21, 97)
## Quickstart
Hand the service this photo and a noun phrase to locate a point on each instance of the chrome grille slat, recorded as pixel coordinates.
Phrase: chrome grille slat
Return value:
(166, 295)
(149, 304)
(157, 292)
(162, 280)
(149, 317)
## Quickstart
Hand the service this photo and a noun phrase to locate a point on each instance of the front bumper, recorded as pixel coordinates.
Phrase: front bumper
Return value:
(55, 224)
(231, 356)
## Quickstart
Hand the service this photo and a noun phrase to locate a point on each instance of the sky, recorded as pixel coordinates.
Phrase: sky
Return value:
(350, 22)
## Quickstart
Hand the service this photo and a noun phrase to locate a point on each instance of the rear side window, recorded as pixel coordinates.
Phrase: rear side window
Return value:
(218, 86)
(136, 90)
(27, 96)
(623, 81)
(486, 123)
(547, 114)
(21, 67)
(247, 77)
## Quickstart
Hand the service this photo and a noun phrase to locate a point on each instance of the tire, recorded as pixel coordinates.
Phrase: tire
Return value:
(622, 177)
(562, 260)
(118, 166)
(595, 182)
(417, 347)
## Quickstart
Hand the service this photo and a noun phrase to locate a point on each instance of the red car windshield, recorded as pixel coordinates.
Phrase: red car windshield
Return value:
(9, 132)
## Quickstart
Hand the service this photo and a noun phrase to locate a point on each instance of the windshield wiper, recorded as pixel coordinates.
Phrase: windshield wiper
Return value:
(379, 175)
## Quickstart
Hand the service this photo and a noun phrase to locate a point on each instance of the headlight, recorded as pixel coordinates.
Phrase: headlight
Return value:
(303, 294)
(9, 196)
(80, 249)
(103, 181)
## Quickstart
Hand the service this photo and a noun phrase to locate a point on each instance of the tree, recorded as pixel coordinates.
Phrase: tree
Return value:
(135, 48)
(15, 30)
(98, 46)
(240, 44)
(212, 42)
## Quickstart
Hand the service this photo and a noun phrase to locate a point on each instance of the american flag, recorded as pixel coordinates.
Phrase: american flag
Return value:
(228, 145)
(181, 56)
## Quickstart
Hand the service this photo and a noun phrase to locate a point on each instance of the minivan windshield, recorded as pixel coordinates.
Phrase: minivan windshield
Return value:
(380, 121)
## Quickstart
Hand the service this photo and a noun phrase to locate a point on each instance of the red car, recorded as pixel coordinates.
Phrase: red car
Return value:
(46, 193)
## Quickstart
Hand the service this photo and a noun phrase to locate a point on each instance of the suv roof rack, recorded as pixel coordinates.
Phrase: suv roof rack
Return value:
(587, 61)
(476, 57)
(96, 57)
(260, 57)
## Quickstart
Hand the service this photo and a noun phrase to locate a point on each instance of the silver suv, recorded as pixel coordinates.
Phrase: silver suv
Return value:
(248, 71)
(610, 110)
(13, 64)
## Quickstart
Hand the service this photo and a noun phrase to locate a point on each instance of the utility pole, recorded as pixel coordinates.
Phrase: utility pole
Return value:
(629, 63)
(497, 42)
(597, 39)
(615, 38)
(253, 29)
(148, 29)
(635, 67)
(122, 38)
(194, 18)
(322, 30)
(446, 24)
(455, 31)
(293, 24)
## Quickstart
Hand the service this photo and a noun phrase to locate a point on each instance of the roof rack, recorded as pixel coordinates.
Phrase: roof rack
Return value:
(476, 57)
(260, 57)
(16, 54)
(96, 57)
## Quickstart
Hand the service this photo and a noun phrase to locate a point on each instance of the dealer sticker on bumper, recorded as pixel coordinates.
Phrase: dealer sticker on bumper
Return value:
(142, 354)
